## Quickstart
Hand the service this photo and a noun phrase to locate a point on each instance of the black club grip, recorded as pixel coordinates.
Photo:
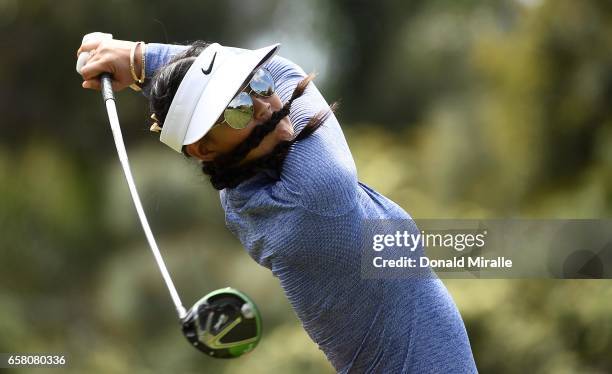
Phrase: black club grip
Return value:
(107, 87)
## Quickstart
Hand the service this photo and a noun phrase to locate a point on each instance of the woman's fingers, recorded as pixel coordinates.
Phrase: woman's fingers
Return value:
(94, 84)
(94, 67)
(89, 46)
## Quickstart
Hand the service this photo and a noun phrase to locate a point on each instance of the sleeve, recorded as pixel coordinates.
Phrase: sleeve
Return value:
(286, 75)
(156, 56)
(319, 171)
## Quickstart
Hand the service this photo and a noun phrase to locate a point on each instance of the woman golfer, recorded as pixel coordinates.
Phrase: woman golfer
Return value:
(271, 144)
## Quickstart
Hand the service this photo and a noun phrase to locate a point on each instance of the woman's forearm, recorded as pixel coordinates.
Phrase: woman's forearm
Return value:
(158, 55)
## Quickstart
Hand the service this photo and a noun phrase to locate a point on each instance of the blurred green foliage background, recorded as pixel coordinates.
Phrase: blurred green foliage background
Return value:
(466, 109)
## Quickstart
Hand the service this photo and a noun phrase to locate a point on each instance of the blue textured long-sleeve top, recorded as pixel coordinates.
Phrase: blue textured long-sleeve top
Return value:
(306, 228)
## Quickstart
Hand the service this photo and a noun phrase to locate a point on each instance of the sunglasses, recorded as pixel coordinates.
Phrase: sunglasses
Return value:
(240, 110)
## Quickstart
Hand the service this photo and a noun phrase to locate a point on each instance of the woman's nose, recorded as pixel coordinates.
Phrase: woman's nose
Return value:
(263, 109)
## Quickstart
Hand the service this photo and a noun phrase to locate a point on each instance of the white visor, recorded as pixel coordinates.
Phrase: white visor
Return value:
(207, 88)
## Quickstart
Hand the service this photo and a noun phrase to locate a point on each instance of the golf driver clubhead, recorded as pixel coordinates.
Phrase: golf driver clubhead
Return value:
(223, 324)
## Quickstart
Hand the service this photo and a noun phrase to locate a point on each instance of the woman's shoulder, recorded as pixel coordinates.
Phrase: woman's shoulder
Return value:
(319, 176)
(308, 184)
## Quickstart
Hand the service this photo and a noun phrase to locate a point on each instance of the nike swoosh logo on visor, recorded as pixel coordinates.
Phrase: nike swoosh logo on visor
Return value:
(207, 71)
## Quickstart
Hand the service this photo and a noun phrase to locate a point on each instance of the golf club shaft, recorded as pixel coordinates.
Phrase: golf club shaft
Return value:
(109, 100)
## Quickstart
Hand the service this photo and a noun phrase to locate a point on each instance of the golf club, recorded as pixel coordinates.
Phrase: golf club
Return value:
(223, 324)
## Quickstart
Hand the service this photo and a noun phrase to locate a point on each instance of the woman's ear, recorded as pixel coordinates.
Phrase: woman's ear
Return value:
(200, 151)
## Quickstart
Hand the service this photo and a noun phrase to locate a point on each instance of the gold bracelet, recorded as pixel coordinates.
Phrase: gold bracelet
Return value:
(142, 71)
(132, 68)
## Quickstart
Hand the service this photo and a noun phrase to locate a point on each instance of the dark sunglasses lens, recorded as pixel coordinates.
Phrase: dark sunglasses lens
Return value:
(239, 111)
(262, 83)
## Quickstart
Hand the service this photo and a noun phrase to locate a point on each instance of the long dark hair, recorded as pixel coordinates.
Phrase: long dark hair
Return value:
(228, 170)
